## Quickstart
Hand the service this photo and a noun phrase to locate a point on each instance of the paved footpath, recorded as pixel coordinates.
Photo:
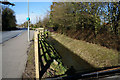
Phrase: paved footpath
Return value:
(14, 55)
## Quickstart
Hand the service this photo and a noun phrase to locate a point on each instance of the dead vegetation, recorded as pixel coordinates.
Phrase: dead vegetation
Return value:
(96, 55)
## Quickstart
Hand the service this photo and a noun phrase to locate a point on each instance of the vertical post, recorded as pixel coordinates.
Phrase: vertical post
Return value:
(1, 41)
(28, 24)
(36, 54)
(1, 9)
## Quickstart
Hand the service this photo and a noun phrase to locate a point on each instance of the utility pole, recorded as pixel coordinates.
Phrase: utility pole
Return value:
(28, 24)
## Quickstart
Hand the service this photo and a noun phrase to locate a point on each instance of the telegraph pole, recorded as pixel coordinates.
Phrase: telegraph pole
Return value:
(28, 24)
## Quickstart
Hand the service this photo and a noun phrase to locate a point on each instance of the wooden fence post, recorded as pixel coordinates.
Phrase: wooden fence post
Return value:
(36, 54)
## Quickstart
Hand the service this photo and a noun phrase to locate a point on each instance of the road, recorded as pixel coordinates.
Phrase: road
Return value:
(14, 53)
(6, 35)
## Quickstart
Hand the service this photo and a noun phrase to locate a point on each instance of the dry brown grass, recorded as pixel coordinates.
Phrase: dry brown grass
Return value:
(96, 55)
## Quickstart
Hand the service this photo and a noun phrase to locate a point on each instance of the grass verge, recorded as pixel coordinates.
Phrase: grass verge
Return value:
(52, 58)
(29, 72)
(77, 52)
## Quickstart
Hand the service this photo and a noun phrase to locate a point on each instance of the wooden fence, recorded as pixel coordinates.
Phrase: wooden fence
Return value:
(45, 54)
(36, 49)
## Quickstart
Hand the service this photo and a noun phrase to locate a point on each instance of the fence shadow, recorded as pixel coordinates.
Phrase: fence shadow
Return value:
(74, 62)
(47, 52)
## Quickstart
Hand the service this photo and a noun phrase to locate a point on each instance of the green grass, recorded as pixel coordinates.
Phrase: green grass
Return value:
(30, 68)
(31, 56)
(58, 68)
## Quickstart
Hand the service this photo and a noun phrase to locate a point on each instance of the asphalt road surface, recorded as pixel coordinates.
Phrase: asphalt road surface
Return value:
(6, 35)
(14, 53)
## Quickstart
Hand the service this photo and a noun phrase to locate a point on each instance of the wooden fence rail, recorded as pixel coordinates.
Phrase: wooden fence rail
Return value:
(36, 55)
(36, 49)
